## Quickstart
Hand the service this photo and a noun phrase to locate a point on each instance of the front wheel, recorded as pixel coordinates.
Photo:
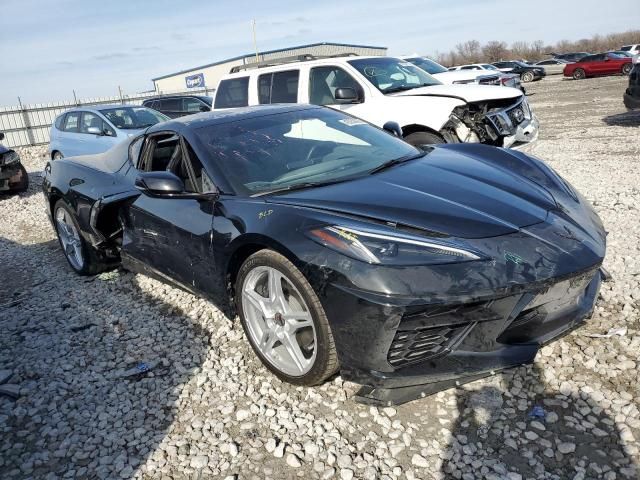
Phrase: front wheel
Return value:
(20, 182)
(82, 258)
(423, 139)
(579, 74)
(626, 69)
(527, 77)
(57, 155)
(284, 321)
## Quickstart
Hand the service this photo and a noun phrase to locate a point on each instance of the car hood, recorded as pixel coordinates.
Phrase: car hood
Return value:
(458, 193)
(456, 75)
(469, 93)
(133, 132)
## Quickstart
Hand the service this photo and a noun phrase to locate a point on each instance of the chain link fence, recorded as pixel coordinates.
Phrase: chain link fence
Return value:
(26, 125)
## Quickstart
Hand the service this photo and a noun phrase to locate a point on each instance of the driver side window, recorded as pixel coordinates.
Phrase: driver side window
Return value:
(169, 152)
(323, 82)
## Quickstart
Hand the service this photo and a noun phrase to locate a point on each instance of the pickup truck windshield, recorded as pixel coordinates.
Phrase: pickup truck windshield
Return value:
(391, 75)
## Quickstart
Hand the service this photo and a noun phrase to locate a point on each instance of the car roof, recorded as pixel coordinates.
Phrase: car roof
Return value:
(294, 65)
(186, 95)
(219, 117)
(97, 108)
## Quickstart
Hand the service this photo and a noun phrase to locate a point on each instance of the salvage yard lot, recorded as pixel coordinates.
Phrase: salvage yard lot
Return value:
(208, 409)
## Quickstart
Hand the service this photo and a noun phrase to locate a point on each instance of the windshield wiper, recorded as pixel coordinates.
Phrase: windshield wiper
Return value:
(394, 162)
(297, 186)
(407, 87)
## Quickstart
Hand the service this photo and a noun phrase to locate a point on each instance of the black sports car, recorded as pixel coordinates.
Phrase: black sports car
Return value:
(342, 247)
(528, 73)
(13, 175)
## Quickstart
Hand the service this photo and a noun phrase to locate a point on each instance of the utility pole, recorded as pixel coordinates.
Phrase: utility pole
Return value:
(255, 45)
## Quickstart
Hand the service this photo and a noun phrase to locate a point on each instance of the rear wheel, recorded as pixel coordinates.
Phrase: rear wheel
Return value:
(527, 77)
(82, 258)
(57, 155)
(423, 139)
(579, 74)
(284, 320)
(626, 69)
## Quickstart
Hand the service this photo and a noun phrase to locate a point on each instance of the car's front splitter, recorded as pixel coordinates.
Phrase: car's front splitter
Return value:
(402, 352)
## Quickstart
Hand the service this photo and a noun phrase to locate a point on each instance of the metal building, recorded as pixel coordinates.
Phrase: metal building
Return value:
(209, 75)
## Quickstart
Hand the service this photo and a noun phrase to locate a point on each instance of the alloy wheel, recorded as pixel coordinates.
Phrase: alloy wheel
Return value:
(279, 321)
(58, 156)
(69, 238)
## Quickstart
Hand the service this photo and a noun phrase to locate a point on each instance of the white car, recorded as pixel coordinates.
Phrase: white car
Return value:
(474, 66)
(552, 66)
(463, 76)
(383, 89)
(634, 48)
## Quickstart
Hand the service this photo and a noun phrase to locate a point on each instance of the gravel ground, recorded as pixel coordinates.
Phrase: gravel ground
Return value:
(208, 409)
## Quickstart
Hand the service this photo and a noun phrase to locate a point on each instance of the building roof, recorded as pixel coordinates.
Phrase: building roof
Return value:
(267, 52)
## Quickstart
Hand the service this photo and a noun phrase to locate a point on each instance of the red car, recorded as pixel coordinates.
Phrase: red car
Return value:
(599, 64)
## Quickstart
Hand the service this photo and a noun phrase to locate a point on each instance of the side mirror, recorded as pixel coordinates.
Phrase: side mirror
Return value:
(204, 108)
(1, 136)
(346, 95)
(94, 131)
(393, 128)
(159, 184)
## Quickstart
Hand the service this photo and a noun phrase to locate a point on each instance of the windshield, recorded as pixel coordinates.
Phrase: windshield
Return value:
(131, 118)
(290, 149)
(487, 66)
(427, 65)
(392, 74)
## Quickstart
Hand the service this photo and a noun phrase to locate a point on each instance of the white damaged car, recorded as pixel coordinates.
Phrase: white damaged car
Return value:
(383, 89)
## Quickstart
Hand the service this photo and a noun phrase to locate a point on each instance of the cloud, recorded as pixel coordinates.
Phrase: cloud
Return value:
(109, 56)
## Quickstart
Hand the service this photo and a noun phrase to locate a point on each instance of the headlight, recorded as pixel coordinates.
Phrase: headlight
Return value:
(9, 158)
(386, 249)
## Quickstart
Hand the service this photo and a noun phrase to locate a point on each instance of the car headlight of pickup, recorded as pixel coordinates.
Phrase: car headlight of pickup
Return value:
(388, 249)
(9, 158)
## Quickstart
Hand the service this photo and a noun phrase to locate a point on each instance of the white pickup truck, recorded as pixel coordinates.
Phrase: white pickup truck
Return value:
(383, 89)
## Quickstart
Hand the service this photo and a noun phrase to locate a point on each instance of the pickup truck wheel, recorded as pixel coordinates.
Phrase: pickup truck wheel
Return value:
(284, 321)
(527, 77)
(82, 258)
(423, 139)
(579, 74)
(626, 69)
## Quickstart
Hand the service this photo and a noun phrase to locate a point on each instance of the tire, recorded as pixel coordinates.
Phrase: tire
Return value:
(626, 69)
(259, 321)
(89, 263)
(579, 74)
(57, 155)
(21, 185)
(527, 77)
(420, 139)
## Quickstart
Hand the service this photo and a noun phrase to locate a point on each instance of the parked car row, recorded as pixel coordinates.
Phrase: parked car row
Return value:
(447, 107)
(526, 72)
(464, 76)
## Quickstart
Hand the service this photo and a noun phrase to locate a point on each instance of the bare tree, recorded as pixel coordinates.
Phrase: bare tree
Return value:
(472, 51)
(494, 51)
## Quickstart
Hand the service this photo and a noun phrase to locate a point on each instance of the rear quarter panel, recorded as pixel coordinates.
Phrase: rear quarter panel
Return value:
(79, 186)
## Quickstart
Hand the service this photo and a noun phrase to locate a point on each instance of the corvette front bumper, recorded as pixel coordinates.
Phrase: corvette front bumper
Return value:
(400, 350)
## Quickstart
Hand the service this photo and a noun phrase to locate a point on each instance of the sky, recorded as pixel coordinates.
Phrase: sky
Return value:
(50, 48)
